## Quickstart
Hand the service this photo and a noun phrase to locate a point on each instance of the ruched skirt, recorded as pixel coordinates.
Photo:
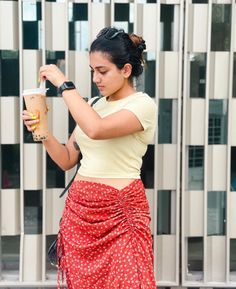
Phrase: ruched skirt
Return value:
(105, 240)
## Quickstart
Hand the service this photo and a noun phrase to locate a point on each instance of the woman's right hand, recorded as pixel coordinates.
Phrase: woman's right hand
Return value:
(30, 120)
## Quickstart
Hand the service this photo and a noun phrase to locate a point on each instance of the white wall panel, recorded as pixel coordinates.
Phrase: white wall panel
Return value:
(216, 265)
(150, 197)
(58, 118)
(197, 30)
(168, 75)
(195, 123)
(54, 209)
(167, 159)
(9, 25)
(32, 166)
(9, 116)
(79, 72)
(100, 17)
(217, 163)
(194, 214)
(166, 252)
(10, 212)
(56, 25)
(232, 214)
(32, 60)
(234, 38)
(219, 75)
(148, 14)
(232, 133)
(32, 258)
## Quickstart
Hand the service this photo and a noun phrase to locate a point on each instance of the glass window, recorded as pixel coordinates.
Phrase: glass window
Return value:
(28, 137)
(169, 29)
(147, 170)
(196, 168)
(234, 76)
(51, 271)
(78, 26)
(167, 123)
(221, 27)
(124, 16)
(101, 1)
(10, 256)
(232, 255)
(199, 1)
(31, 24)
(233, 169)
(197, 75)
(147, 80)
(10, 164)
(146, 1)
(72, 124)
(55, 175)
(9, 71)
(195, 256)
(216, 213)
(150, 74)
(217, 126)
(165, 212)
(94, 89)
(33, 212)
(57, 58)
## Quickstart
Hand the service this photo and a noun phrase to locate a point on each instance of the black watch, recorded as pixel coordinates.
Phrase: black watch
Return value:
(67, 85)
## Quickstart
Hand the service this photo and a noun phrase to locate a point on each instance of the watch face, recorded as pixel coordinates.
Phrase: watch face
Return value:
(67, 85)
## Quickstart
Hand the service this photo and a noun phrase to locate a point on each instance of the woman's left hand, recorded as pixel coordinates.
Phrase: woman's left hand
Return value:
(52, 73)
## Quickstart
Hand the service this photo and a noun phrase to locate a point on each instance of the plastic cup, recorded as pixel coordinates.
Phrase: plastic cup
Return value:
(35, 101)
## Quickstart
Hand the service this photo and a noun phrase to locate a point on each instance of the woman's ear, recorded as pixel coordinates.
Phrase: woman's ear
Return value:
(127, 70)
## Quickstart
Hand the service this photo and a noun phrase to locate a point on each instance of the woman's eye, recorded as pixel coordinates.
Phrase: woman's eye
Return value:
(103, 72)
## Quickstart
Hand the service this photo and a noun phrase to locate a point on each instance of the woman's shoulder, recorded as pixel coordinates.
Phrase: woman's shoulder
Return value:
(143, 100)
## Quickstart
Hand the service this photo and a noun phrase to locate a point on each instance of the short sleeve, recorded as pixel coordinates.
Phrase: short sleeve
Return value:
(145, 110)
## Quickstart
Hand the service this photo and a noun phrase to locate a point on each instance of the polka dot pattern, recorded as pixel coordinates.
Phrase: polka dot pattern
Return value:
(105, 240)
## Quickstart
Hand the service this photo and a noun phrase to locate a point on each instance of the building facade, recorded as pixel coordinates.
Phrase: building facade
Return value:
(190, 169)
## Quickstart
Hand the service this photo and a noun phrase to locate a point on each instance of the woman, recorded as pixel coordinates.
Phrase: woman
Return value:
(105, 240)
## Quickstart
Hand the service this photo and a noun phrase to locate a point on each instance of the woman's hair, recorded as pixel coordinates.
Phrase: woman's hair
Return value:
(121, 48)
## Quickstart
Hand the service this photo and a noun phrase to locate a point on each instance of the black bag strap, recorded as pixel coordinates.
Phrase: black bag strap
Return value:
(78, 164)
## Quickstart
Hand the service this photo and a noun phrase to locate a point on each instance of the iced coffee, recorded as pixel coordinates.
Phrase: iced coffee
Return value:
(35, 101)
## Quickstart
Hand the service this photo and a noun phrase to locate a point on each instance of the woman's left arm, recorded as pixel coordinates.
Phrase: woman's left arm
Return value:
(117, 124)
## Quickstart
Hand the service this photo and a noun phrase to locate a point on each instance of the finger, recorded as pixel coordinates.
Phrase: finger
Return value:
(31, 122)
(27, 113)
(33, 127)
(30, 115)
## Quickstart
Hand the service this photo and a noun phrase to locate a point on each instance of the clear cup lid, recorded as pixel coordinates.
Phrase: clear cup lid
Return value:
(38, 90)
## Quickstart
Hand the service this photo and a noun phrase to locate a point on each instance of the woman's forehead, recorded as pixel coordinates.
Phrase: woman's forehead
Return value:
(100, 59)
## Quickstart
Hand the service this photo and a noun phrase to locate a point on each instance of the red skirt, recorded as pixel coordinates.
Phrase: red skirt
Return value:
(105, 240)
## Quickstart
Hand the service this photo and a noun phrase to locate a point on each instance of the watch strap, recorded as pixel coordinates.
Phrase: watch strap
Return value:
(67, 85)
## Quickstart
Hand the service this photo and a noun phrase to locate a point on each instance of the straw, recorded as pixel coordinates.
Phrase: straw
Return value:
(42, 84)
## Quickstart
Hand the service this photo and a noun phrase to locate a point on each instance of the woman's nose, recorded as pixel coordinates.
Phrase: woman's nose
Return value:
(96, 78)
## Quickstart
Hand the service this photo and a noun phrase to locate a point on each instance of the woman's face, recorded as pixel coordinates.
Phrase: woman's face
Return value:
(109, 79)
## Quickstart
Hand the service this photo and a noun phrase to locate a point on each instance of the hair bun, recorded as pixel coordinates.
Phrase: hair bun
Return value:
(142, 46)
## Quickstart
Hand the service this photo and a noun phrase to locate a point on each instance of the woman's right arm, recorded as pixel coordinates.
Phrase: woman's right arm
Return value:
(65, 156)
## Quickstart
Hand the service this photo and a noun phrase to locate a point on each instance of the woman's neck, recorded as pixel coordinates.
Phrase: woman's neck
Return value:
(122, 93)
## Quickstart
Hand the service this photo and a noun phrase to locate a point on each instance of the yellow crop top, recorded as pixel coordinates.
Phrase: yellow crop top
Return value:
(119, 157)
